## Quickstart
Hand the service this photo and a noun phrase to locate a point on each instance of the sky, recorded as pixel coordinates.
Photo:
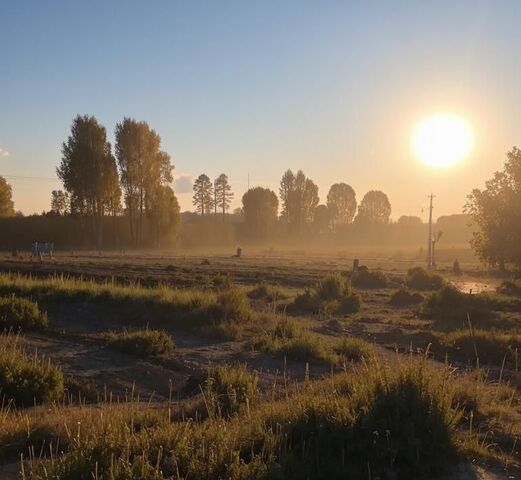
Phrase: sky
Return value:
(252, 88)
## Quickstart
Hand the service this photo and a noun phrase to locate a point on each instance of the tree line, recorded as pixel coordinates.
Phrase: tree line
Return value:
(96, 178)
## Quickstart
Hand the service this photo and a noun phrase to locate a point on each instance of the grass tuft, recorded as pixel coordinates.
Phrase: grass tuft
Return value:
(21, 314)
(142, 343)
(27, 379)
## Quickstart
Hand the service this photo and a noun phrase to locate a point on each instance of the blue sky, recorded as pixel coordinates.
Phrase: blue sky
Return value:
(256, 87)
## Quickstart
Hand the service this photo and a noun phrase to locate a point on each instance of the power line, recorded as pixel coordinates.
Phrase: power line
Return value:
(25, 177)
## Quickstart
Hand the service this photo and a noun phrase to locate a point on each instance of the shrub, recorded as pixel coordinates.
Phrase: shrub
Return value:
(353, 348)
(395, 423)
(20, 314)
(509, 287)
(330, 295)
(229, 389)
(450, 308)
(222, 281)
(233, 305)
(27, 379)
(290, 340)
(369, 279)
(491, 347)
(306, 348)
(269, 293)
(419, 279)
(142, 343)
(405, 298)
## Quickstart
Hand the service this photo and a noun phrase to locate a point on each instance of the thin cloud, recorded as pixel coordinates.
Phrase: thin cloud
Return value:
(183, 184)
(3, 152)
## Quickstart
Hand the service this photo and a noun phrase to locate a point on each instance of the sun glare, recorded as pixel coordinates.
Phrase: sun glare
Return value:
(442, 139)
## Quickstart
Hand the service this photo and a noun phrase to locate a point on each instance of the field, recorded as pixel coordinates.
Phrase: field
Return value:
(149, 366)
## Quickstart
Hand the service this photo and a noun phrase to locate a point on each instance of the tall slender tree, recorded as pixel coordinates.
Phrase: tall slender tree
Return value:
(223, 194)
(203, 195)
(299, 198)
(87, 170)
(287, 185)
(144, 168)
(60, 202)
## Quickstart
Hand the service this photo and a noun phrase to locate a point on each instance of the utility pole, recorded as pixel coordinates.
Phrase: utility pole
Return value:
(430, 260)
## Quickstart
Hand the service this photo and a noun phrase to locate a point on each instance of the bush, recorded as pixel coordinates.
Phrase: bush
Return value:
(290, 340)
(27, 379)
(232, 305)
(491, 347)
(419, 279)
(269, 293)
(368, 279)
(20, 314)
(394, 423)
(332, 295)
(405, 298)
(229, 389)
(142, 343)
(353, 349)
(509, 287)
(222, 281)
(450, 308)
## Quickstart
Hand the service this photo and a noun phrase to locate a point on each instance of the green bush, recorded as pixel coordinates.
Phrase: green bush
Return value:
(289, 339)
(21, 314)
(491, 347)
(331, 295)
(450, 308)
(405, 298)
(232, 305)
(419, 279)
(509, 287)
(222, 281)
(353, 349)
(228, 389)
(27, 379)
(269, 293)
(369, 279)
(142, 343)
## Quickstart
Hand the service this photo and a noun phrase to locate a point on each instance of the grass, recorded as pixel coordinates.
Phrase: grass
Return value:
(21, 314)
(484, 346)
(228, 389)
(365, 278)
(160, 305)
(419, 279)
(353, 349)
(142, 343)
(290, 340)
(405, 298)
(509, 287)
(399, 422)
(27, 379)
(268, 293)
(331, 295)
(450, 309)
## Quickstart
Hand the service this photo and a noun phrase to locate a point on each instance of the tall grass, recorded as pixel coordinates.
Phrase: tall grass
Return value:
(21, 314)
(161, 305)
(141, 343)
(395, 422)
(331, 295)
(26, 379)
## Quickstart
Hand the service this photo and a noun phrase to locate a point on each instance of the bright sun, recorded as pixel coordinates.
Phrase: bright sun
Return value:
(442, 139)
